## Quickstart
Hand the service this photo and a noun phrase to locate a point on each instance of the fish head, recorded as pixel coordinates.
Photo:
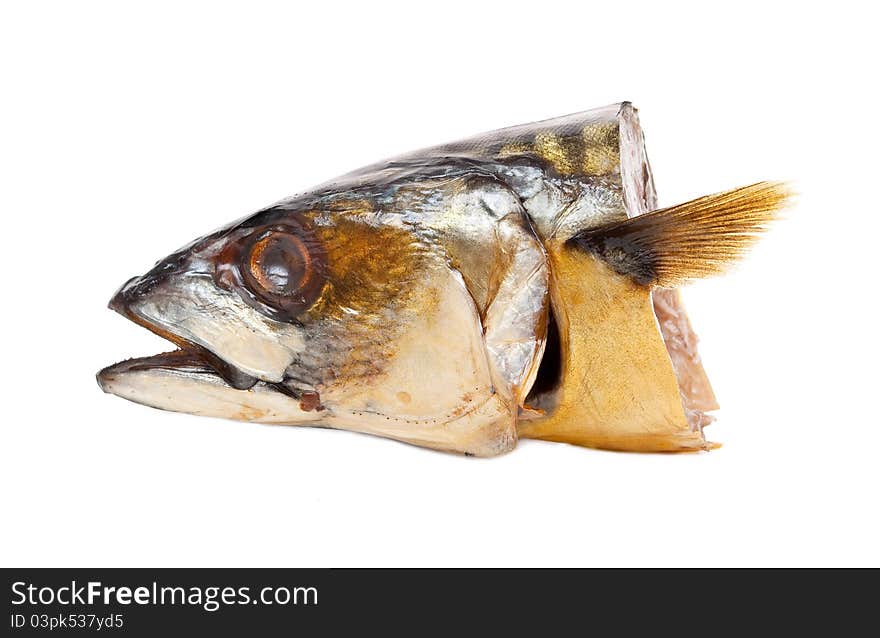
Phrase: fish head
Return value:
(332, 315)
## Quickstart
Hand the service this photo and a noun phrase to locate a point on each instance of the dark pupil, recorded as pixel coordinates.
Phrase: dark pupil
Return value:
(281, 264)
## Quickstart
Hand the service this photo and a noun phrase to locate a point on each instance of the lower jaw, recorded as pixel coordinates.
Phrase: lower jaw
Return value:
(178, 382)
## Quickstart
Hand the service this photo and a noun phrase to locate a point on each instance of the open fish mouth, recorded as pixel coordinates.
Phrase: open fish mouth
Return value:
(189, 360)
(194, 379)
(190, 356)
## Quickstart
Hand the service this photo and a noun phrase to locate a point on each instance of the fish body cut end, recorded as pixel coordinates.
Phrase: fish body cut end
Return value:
(632, 378)
(618, 389)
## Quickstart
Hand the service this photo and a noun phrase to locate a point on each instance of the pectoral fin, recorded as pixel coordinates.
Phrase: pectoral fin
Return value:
(700, 238)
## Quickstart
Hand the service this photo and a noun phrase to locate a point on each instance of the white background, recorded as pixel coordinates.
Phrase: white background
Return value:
(128, 131)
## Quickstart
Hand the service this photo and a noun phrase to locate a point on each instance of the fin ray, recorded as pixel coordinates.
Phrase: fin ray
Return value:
(699, 238)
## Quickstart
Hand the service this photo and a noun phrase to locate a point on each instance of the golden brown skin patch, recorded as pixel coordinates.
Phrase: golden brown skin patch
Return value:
(368, 296)
(365, 266)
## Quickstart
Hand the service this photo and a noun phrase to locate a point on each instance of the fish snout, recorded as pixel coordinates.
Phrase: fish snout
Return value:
(132, 294)
(140, 286)
(120, 300)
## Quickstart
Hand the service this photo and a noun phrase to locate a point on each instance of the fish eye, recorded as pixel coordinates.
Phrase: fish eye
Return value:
(279, 270)
(279, 263)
